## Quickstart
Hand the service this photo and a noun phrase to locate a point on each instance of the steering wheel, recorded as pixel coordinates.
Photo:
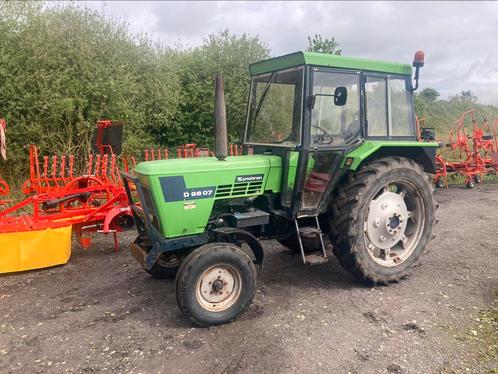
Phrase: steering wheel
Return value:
(325, 138)
(351, 130)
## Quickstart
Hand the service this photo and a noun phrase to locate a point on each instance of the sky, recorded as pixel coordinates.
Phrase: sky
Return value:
(460, 39)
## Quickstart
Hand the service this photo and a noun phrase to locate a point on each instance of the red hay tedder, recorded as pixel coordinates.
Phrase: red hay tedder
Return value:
(474, 154)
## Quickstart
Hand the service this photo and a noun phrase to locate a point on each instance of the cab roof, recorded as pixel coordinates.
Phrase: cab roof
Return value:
(328, 60)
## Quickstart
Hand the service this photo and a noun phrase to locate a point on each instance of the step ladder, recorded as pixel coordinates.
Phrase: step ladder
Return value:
(313, 258)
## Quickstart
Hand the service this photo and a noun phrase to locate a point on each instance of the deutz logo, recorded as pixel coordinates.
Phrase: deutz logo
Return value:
(249, 178)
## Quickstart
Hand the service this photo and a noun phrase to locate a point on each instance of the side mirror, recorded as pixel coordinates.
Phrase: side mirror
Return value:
(340, 96)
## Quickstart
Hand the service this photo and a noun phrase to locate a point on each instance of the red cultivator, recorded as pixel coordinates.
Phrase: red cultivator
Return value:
(4, 187)
(186, 151)
(36, 231)
(474, 155)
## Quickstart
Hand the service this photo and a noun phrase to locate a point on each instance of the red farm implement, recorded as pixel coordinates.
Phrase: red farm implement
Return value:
(4, 187)
(190, 150)
(475, 153)
(36, 231)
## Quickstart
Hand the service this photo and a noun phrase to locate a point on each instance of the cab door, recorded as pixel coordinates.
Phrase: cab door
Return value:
(331, 129)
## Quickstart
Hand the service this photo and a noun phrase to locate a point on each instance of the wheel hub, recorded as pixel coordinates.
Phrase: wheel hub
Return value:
(386, 222)
(218, 287)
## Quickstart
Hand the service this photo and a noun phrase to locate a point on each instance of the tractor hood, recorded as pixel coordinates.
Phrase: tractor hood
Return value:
(184, 191)
(182, 166)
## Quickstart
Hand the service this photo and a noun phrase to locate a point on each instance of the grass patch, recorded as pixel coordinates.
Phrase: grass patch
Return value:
(484, 334)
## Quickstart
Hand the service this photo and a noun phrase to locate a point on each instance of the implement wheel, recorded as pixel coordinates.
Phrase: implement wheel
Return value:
(382, 220)
(215, 283)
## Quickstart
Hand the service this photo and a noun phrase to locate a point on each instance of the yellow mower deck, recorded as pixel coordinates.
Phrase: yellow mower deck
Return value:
(27, 250)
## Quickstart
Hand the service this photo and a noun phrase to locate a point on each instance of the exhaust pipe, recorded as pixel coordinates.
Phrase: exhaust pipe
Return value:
(220, 120)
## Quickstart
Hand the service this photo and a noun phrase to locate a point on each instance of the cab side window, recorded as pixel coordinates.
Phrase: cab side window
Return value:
(401, 108)
(376, 94)
(388, 106)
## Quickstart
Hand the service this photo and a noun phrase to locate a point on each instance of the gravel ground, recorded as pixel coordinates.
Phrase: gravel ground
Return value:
(102, 312)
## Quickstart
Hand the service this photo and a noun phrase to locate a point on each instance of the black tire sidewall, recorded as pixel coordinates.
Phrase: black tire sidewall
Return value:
(292, 243)
(396, 174)
(162, 272)
(194, 266)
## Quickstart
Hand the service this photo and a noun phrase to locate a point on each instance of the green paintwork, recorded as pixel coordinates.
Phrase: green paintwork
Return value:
(369, 147)
(328, 60)
(188, 217)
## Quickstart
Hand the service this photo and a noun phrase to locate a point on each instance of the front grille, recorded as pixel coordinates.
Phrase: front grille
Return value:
(239, 189)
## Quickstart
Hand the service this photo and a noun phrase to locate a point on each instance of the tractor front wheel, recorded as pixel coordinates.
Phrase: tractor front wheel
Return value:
(215, 283)
(382, 219)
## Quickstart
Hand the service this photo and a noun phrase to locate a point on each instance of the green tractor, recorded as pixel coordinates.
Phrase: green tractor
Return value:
(331, 149)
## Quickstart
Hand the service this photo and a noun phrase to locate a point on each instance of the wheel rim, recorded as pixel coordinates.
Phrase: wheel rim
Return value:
(394, 223)
(219, 287)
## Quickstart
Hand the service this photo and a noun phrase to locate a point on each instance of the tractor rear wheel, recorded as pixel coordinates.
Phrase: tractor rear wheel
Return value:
(215, 283)
(382, 219)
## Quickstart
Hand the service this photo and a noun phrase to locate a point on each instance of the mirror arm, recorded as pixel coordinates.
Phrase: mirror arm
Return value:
(311, 101)
(416, 79)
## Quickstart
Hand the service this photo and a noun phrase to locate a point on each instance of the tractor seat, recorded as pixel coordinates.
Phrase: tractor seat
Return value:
(317, 182)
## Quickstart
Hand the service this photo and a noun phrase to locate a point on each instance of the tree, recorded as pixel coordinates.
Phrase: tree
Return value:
(321, 45)
(62, 68)
(429, 94)
(468, 96)
(223, 53)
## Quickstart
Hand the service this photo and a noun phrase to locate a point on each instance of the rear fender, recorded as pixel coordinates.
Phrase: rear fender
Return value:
(422, 153)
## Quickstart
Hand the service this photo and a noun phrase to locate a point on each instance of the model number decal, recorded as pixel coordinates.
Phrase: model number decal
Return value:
(198, 193)
(175, 189)
(249, 178)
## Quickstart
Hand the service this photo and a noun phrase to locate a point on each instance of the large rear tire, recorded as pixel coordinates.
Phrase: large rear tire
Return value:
(311, 242)
(215, 283)
(382, 220)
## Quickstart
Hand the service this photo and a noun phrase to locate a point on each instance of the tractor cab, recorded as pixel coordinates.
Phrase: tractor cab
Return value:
(312, 108)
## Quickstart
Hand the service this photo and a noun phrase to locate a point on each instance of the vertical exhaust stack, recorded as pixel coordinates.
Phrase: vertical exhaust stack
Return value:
(220, 117)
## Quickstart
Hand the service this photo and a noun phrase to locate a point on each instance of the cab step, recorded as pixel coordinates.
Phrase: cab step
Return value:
(309, 232)
(315, 258)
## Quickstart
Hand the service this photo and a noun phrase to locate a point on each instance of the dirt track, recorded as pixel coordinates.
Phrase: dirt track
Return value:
(102, 312)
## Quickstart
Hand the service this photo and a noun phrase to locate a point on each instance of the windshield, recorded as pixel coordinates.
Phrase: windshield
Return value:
(275, 108)
(331, 124)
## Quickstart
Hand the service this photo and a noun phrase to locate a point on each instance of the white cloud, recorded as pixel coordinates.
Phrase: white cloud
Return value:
(459, 38)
